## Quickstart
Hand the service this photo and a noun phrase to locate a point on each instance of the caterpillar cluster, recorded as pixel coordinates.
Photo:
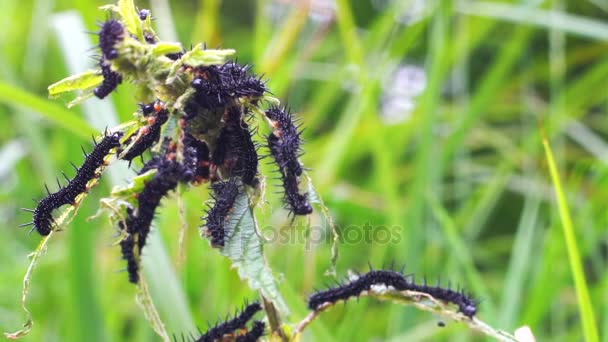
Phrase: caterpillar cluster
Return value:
(230, 327)
(354, 288)
(201, 132)
(219, 85)
(284, 145)
(42, 214)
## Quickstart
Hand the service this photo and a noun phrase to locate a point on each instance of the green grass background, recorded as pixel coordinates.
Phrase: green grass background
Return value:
(464, 179)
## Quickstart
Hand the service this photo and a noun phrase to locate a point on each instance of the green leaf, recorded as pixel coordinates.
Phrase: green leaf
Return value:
(82, 81)
(161, 48)
(585, 305)
(318, 202)
(136, 186)
(199, 56)
(244, 248)
(130, 18)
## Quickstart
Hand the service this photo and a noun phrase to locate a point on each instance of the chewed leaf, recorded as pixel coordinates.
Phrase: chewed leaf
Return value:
(199, 56)
(27, 281)
(162, 48)
(82, 81)
(136, 185)
(80, 99)
(317, 201)
(244, 247)
(273, 101)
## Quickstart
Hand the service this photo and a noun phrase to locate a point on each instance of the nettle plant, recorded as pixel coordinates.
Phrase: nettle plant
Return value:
(197, 118)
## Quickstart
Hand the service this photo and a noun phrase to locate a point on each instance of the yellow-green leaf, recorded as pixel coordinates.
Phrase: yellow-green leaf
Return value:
(130, 17)
(85, 80)
(161, 49)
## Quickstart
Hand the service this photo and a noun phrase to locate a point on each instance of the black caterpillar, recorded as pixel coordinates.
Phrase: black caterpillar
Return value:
(284, 145)
(196, 158)
(364, 282)
(129, 251)
(111, 80)
(217, 86)
(150, 134)
(42, 218)
(285, 141)
(235, 149)
(224, 195)
(137, 224)
(254, 333)
(111, 32)
(231, 325)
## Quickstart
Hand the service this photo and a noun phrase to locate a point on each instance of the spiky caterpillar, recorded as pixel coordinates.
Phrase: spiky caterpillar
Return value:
(137, 223)
(235, 149)
(284, 145)
(42, 215)
(196, 158)
(147, 135)
(130, 252)
(364, 282)
(254, 333)
(231, 325)
(285, 140)
(466, 304)
(110, 34)
(295, 201)
(224, 195)
(217, 86)
(111, 80)
(169, 173)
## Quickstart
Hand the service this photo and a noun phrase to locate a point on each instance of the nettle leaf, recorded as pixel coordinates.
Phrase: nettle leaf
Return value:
(82, 81)
(244, 248)
(136, 186)
(162, 48)
(200, 56)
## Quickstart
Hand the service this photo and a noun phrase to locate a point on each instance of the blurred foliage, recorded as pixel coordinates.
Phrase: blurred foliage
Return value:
(421, 116)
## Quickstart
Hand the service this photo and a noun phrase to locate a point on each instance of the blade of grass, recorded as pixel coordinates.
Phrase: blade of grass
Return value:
(348, 33)
(161, 9)
(425, 175)
(285, 38)
(462, 254)
(574, 258)
(523, 14)
(519, 264)
(83, 283)
(53, 112)
(261, 30)
(206, 27)
(487, 90)
(329, 91)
